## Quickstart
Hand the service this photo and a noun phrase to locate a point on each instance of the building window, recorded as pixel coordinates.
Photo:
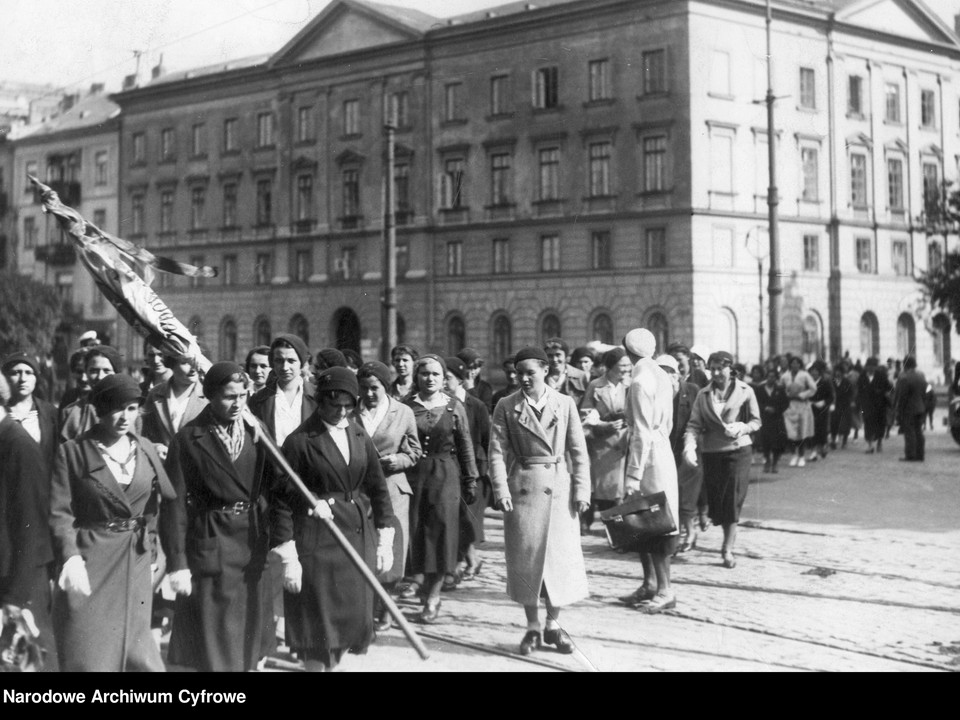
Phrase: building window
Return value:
(198, 140)
(265, 130)
(809, 159)
(808, 88)
(64, 286)
(229, 270)
(302, 266)
(197, 261)
(855, 95)
(166, 211)
(602, 328)
(101, 175)
(931, 188)
(100, 219)
(601, 251)
(549, 174)
(345, 266)
(858, 180)
(928, 113)
(869, 335)
(655, 247)
(263, 270)
(29, 232)
(501, 255)
(550, 327)
(500, 179)
(499, 95)
(137, 207)
(452, 99)
(304, 124)
(351, 193)
(893, 103)
(600, 169)
(264, 202)
(895, 183)
(865, 255)
(398, 109)
(304, 197)
(403, 258)
(502, 338)
(721, 163)
(599, 80)
(654, 72)
(401, 188)
(906, 335)
(230, 138)
(228, 340)
(934, 256)
(546, 91)
(549, 253)
(351, 117)
(168, 146)
(451, 185)
(198, 202)
(456, 335)
(139, 148)
(230, 205)
(262, 332)
(654, 163)
(455, 258)
(811, 253)
(901, 257)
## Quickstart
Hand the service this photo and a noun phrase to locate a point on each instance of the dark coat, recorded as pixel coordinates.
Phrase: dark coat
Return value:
(483, 391)
(471, 516)
(264, 403)
(844, 392)
(682, 407)
(821, 415)
(874, 399)
(218, 627)
(910, 395)
(108, 631)
(574, 384)
(772, 435)
(334, 609)
(157, 425)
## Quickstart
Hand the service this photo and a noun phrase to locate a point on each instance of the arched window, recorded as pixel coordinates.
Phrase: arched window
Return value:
(602, 329)
(725, 336)
(657, 324)
(941, 344)
(262, 334)
(812, 339)
(300, 327)
(228, 340)
(906, 336)
(502, 337)
(346, 329)
(456, 335)
(934, 256)
(401, 330)
(869, 335)
(550, 327)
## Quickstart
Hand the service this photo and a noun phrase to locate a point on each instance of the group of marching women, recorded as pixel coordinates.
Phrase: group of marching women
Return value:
(175, 473)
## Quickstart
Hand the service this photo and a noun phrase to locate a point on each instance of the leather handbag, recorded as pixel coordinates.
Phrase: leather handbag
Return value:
(637, 519)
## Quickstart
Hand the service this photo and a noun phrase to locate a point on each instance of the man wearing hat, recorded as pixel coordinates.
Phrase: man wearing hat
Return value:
(473, 383)
(89, 339)
(651, 467)
(563, 377)
(100, 362)
(287, 400)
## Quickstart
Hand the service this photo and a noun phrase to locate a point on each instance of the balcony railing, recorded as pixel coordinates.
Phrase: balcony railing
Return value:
(56, 254)
(67, 190)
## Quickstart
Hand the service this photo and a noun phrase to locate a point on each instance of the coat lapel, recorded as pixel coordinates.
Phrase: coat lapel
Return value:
(331, 454)
(101, 476)
(528, 420)
(211, 446)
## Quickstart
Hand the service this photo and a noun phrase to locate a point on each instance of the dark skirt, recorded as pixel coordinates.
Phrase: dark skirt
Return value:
(690, 483)
(471, 517)
(726, 476)
(821, 425)
(435, 515)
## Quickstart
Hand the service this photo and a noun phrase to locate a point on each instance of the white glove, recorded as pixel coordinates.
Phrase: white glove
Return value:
(735, 429)
(292, 569)
(630, 486)
(385, 548)
(690, 456)
(180, 581)
(590, 417)
(74, 578)
(322, 510)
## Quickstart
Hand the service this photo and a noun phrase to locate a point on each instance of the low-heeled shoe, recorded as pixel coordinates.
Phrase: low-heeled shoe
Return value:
(559, 639)
(531, 641)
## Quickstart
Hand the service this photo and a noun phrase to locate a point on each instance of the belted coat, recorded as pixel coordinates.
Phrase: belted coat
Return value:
(528, 464)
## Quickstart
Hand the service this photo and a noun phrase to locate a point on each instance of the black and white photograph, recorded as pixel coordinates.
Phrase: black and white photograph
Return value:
(560, 336)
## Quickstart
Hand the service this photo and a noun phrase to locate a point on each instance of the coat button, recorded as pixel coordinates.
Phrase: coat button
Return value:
(547, 491)
(547, 465)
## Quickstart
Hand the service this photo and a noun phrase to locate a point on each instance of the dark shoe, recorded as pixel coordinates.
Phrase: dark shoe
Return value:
(704, 521)
(383, 623)
(450, 582)
(471, 571)
(559, 639)
(410, 591)
(658, 604)
(429, 615)
(584, 529)
(638, 596)
(531, 641)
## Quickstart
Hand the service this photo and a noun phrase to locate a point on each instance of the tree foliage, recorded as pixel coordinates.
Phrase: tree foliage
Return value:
(941, 283)
(29, 314)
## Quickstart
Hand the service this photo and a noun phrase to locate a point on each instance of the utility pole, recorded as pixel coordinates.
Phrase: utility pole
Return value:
(388, 316)
(775, 289)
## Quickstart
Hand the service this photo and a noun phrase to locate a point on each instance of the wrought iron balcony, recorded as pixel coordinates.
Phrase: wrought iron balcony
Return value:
(56, 254)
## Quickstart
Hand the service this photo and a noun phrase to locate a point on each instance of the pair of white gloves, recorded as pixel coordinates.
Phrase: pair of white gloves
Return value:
(732, 430)
(75, 581)
(293, 570)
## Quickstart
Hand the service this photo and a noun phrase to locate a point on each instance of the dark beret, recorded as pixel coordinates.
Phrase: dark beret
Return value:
(337, 379)
(294, 341)
(331, 357)
(352, 357)
(468, 355)
(17, 358)
(580, 353)
(111, 354)
(114, 392)
(457, 367)
(219, 375)
(375, 369)
(721, 356)
(559, 342)
(432, 358)
(532, 353)
(677, 347)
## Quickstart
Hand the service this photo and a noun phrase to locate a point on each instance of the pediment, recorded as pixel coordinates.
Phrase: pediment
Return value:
(344, 26)
(903, 18)
(350, 157)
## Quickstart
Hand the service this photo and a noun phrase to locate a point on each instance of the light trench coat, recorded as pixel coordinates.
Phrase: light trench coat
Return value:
(528, 464)
(651, 466)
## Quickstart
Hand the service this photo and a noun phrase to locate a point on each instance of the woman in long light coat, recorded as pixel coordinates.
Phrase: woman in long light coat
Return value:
(535, 430)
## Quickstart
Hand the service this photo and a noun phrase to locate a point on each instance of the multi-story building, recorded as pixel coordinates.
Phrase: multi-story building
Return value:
(76, 154)
(569, 167)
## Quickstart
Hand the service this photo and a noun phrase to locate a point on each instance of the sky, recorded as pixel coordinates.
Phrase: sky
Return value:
(76, 43)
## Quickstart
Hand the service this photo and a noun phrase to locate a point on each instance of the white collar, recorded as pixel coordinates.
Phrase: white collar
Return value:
(440, 400)
(536, 404)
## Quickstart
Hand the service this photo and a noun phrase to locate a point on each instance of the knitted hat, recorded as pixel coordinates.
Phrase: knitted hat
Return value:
(532, 353)
(219, 375)
(294, 341)
(640, 342)
(114, 392)
(20, 358)
(433, 358)
(331, 357)
(111, 354)
(375, 369)
(457, 367)
(468, 355)
(337, 378)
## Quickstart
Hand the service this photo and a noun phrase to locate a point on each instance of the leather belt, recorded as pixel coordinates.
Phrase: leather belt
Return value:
(545, 460)
(237, 508)
(119, 525)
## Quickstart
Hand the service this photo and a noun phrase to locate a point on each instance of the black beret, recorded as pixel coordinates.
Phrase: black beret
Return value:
(337, 379)
(559, 342)
(294, 341)
(721, 356)
(17, 359)
(468, 355)
(432, 358)
(114, 392)
(377, 370)
(218, 375)
(457, 367)
(331, 357)
(532, 353)
(111, 354)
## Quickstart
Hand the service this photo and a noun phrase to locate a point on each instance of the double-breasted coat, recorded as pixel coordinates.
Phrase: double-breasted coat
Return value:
(528, 465)
(105, 523)
(607, 447)
(397, 435)
(218, 528)
(334, 608)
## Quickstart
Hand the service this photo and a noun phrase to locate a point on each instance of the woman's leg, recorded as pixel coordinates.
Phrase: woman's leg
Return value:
(729, 540)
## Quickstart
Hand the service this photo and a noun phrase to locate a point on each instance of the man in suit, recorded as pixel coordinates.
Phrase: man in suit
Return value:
(563, 377)
(910, 406)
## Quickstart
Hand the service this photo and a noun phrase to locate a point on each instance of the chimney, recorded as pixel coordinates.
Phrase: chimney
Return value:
(96, 88)
(158, 69)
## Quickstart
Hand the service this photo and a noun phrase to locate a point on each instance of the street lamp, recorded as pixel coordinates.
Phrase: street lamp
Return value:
(759, 255)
